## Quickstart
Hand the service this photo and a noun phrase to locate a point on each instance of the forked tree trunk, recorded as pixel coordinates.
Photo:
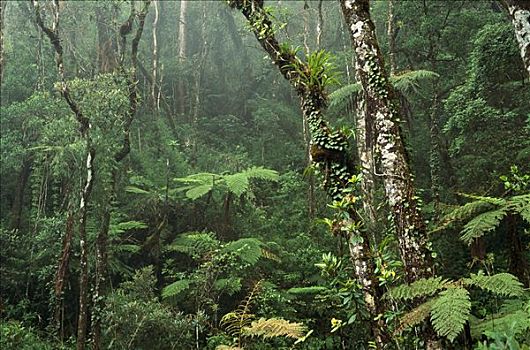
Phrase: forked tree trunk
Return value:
(519, 11)
(331, 160)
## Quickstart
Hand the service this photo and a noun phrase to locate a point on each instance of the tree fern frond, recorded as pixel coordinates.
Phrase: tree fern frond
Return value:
(135, 190)
(229, 286)
(261, 173)
(415, 316)
(521, 205)
(409, 81)
(198, 191)
(450, 312)
(237, 183)
(248, 249)
(175, 288)
(340, 97)
(194, 243)
(275, 327)
(482, 223)
(234, 322)
(420, 288)
(227, 347)
(514, 317)
(468, 211)
(491, 200)
(503, 284)
(307, 290)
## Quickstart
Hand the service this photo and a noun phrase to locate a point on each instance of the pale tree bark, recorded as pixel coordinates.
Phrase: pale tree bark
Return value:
(391, 33)
(107, 59)
(519, 11)
(182, 52)
(154, 87)
(52, 33)
(102, 238)
(332, 161)
(320, 24)
(3, 5)
(381, 107)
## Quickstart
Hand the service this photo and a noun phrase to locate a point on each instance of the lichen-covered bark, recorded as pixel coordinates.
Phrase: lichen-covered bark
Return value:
(328, 150)
(3, 4)
(381, 106)
(519, 11)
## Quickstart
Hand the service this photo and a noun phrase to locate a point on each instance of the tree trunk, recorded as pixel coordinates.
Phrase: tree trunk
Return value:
(381, 104)
(154, 86)
(3, 5)
(182, 51)
(83, 264)
(18, 201)
(107, 59)
(61, 272)
(519, 11)
(381, 109)
(391, 33)
(518, 263)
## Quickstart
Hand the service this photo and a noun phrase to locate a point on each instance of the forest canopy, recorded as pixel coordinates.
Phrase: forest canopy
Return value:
(250, 174)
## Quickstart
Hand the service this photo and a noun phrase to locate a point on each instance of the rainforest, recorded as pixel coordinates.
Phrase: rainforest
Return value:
(265, 174)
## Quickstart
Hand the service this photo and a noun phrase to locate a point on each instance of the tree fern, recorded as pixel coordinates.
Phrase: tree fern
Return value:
(482, 224)
(274, 327)
(261, 173)
(248, 249)
(514, 316)
(175, 288)
(237, 183)
(503, 284)
(420, 288)
(234, 322)
(450, 312)
(405, 82)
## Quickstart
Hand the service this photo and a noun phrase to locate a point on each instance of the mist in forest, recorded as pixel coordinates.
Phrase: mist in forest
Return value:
(249, 174)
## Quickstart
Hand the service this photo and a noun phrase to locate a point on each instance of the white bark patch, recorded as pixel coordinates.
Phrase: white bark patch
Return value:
(348, 4)
(521, 23)
(357, 29)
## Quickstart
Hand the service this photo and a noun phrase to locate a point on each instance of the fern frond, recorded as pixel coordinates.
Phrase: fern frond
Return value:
(267, 254)
(340, 97)
(175, 288)
(261, 173)
(521, 205)
(234, 322)
(468, 211)
(248, 249)
(275, 327)
(307, 290)
(514, 318)
(482, 224)
(492, 200)
(237, 183)
(229, 286)
(198, 191)
(194, 243)
(450, 312)
(136, 190)
(415, 316)
(503, 284)
(420, 288)
(409, 81)
(227, 347)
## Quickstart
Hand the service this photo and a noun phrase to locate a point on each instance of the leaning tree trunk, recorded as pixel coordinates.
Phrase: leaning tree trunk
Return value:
(328, 152)
(52, 32)
(519, 11)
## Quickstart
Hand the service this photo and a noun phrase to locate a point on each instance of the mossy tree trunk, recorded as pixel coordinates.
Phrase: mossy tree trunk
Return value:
(329, 154)
(381, 110)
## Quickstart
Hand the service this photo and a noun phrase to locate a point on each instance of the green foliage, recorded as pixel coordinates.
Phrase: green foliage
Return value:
(503, 284)
(450, 312)
(450, 308)
(307, 290)
(198, 185)
(420, 288)
(13, 335)
(249, 250)
(175, 288)
(274, 327)
(317, 74)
